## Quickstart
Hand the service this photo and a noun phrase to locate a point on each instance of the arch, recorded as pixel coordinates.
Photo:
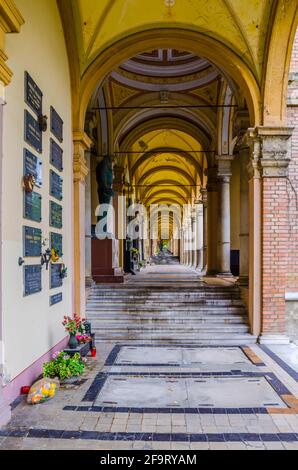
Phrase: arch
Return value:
(173, 151)
(173, 183)
(137, 42)
(166, 168)
(165, 120)
(275, 80)
(164, 191)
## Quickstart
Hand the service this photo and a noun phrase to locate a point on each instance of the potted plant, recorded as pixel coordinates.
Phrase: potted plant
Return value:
(64, 366)
(73, 326)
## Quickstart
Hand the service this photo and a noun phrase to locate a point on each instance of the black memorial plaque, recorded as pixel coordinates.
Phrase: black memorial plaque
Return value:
(55, 278)
(31, 241)
(33, 134)
(32, 279)
(56, 183)
(56, 155)
(33, 94)
(33, 166)
(55, 215)
(32, 206)
(56, 242)
(56, 125)
(55, 299)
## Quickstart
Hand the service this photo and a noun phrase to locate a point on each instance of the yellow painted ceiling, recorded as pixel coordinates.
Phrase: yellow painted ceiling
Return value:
(165, 176)
(242, 24)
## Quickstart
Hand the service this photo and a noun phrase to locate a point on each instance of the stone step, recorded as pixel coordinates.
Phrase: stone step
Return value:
(176, 328)
(163, 301)
(167, 318)
(159, 311)
(219, 339)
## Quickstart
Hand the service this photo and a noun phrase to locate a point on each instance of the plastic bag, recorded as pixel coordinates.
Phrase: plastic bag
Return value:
(42, 390)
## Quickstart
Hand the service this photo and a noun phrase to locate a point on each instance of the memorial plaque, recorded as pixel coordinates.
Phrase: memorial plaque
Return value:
(31, 241)
(33, 134)
(56, 155)
(33, 94)
(55, 185)
(55, 215)
(33, 166)
(56, 124)
(56, 242)
(32, 206)
(32, 279)
(55, 278)
(55, 299)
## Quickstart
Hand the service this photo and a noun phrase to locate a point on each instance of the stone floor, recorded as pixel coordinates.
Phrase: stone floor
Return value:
(167, 397)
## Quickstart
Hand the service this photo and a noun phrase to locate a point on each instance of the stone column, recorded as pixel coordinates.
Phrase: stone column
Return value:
(81, 143)
(211, 221)
(224, 215)
(268, 167)
(244, 215)
(193, 251)
(204, 201)
(88, 218)
(199, 249)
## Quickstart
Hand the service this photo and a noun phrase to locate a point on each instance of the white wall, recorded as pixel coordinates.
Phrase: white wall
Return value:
(31, 327)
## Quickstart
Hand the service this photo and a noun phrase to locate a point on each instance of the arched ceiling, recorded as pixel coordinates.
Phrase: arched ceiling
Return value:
(241, 24)
(166, 165)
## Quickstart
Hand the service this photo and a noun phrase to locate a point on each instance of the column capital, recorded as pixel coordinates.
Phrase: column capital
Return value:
(224, 170)
(203, 192)
(271, 151)
(81, 143)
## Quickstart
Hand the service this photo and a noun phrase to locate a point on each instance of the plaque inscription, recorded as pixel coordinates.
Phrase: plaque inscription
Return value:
(33, 94)
(55, 299)
(56, 155)
(33, 166)
(32, 279)
(55, 215)
(55, 185)
(33, 134)
(56, 124)
(32, 206)
(31, 241)
(55, 278)
(56, 242)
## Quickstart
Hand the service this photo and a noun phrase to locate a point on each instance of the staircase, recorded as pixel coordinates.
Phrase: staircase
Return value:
(167, 313)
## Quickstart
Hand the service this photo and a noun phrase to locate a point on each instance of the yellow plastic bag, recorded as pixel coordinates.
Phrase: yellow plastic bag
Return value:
(42, 390)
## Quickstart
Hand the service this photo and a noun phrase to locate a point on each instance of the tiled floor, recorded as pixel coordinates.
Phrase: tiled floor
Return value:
(203, 398)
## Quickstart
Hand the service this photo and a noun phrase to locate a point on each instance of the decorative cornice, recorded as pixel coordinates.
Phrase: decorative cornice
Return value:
(82, 139)
(11, 19)
(271, 151)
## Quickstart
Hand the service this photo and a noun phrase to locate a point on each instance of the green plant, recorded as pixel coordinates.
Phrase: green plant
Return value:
(134, 251)
(64, 366)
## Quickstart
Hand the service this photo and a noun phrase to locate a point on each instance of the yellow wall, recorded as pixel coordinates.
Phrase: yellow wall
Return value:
(29, 322)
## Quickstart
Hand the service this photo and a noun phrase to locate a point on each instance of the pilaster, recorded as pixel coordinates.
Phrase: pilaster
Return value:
(268, 170)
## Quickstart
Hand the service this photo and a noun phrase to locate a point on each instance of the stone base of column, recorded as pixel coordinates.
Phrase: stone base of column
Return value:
(243, 281)
(211, 272)
(105, 268)
(273, 338)
(228, 274)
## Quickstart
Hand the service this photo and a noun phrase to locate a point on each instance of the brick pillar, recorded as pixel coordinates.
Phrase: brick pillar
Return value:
(269, 165)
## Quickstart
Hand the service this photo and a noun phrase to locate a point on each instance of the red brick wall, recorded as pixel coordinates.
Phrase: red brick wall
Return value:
(292, 182)
(274, 253)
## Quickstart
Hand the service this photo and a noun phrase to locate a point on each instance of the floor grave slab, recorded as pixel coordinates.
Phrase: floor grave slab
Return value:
(189, 392)
(232, 357)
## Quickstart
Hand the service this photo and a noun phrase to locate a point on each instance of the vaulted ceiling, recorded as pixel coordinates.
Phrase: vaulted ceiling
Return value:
(240, 24)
